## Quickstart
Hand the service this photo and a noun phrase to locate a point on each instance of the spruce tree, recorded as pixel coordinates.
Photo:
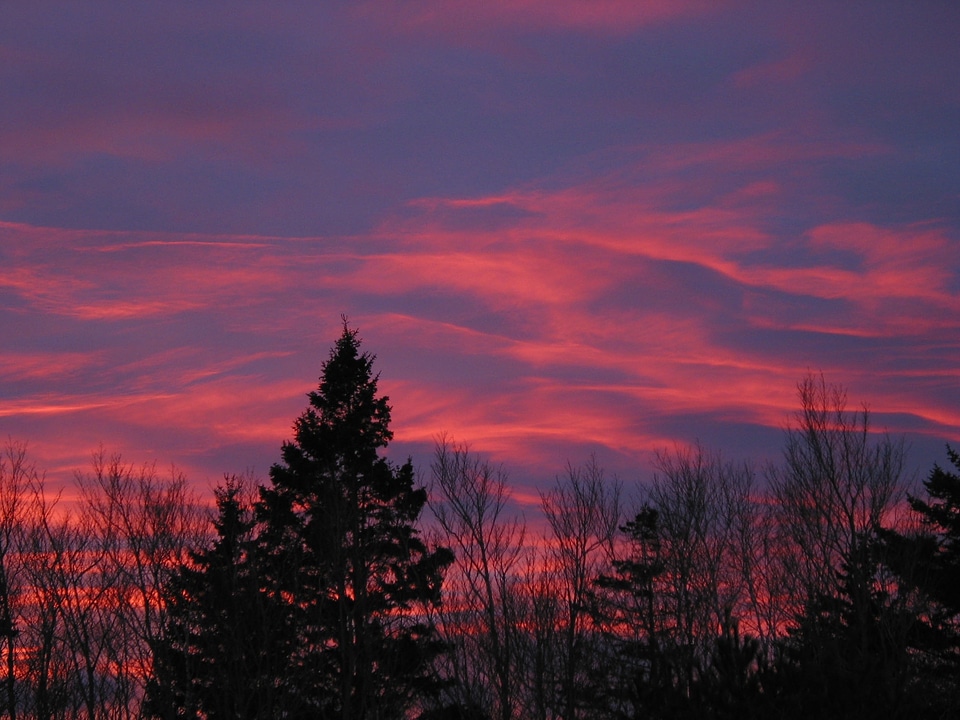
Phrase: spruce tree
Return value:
(938, 550)
(314, 602)
(926, 562)
(222, 650)
(341, 555)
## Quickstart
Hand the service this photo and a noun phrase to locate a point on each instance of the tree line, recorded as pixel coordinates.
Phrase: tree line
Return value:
(817, 586)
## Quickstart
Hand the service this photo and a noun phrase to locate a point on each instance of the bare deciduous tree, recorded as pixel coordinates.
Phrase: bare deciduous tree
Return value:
(470, 502)
(583, 513)
(704, 520)
(17, 474)
(144, 526)
(80, 585)
(837, 481)
(542, 611)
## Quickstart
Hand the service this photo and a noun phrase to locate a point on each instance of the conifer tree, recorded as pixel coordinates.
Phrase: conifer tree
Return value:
(312, 602)
(939, 548)
(926, 562)
(221, 652)
(342, 559)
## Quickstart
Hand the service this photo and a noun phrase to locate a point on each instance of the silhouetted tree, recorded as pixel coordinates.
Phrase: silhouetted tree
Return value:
(671, 607)
(733, 684)
(926, 561)
(847, 655)
(222, 651)
(316, 606)
(483, 626)
(541, 595)
(583, 512)
(627, 607)
(17, 474)
(839, 482)
(703, 511)
(936, 558)
(141, 528)
(341, 557)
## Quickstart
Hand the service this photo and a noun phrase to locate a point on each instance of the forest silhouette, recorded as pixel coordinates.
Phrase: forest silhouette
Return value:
(815, 587)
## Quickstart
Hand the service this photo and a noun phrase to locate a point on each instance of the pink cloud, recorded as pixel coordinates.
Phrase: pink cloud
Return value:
(896, 264)
(49, 405)
(91, 276)
(572, 368)
(33, 366)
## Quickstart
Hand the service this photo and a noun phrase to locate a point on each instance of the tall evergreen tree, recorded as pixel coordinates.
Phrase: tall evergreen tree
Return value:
(341, 556)
(312, 602)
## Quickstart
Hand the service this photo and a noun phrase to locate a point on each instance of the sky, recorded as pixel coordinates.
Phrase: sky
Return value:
(565, 229)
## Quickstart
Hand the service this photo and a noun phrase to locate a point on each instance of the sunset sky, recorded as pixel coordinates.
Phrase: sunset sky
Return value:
(563, 227)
